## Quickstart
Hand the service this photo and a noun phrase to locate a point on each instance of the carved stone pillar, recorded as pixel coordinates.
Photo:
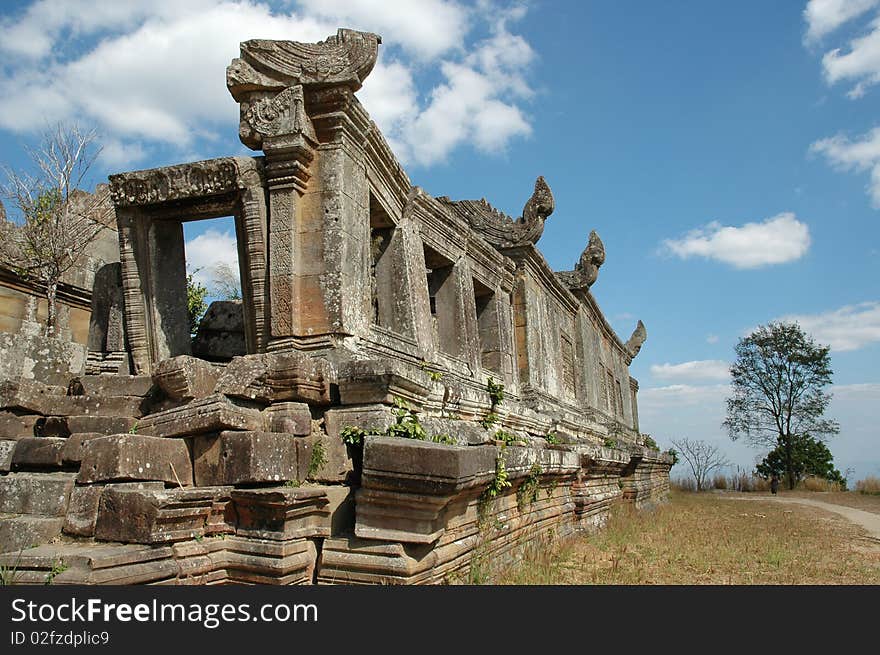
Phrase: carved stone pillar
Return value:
(296, 103)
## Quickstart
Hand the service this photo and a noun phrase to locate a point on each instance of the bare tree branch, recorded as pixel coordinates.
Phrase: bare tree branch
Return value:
(702, 457)
(56, 222)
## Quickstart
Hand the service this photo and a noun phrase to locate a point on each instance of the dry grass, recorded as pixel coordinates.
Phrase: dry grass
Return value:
(812, 483)
(870, 485)
(708, 538)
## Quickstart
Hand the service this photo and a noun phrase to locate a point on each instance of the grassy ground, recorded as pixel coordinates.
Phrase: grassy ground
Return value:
(708, 538)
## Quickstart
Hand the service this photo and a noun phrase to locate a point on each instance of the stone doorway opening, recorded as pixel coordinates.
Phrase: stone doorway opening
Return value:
(213, 270)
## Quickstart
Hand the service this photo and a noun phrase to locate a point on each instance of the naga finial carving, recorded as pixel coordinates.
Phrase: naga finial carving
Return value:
(498, 228)
(634, 344)
(591, 259)
(587, 268)
(538, 208)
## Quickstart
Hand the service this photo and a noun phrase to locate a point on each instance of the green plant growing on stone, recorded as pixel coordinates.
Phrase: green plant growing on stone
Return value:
(134, 428)
(527, 492)
(317, 460)
(9, 574)
(505, 437)
(551, 488)
(293, 483)
(499, 481)
(58, 566)
(489, 420)
(432, 372)
(552, 438)
(650, 443)
(352, 436)
(407, 423)
(444, 439)
(610, 443)
(674, 454)
(496, 392)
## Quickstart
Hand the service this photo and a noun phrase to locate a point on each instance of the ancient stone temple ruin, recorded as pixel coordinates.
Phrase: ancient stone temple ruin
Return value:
(416, 388)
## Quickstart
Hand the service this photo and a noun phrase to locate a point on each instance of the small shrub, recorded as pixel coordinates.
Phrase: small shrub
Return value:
(489, 420)
(506, 438)
(527, 492)
(499, 482)
(352, 436)
(317, 460)
(650, 443)
(444, 439)
(719, 482)
(610, 443)
(815, 483)
(496, 392)
(552, 438)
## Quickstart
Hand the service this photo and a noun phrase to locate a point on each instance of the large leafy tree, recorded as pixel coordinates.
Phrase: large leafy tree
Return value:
(809, 456)
(778, 386)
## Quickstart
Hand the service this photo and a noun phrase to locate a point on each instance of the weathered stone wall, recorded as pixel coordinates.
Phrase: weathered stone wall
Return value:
(242, 475)
(420, 392)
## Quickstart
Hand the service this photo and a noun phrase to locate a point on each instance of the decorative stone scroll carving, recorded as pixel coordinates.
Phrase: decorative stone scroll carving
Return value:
(587, 269)
(203, 178)
(346, 58)
(634, 344)
(269, 78)
(501, 230)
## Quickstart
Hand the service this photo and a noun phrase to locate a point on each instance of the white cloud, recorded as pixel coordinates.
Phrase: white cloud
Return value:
(703, 369)
(776, 240)
(861, 64)
(712, 338)
(863, 390)
(206, 251)
(825, 16)
(860, 155)
(116, 153)
(424, 28)
(675, 395)
(849, 328)
(153, 72)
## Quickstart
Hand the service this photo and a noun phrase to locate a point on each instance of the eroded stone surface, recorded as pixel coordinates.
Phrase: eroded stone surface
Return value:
(150, 516)
(36, 453)
(7, 446)
(247, 457)
(83, 510)
(135, 457)
(220, 336)
(212, 414)
(185, 378)
(282, 513)
(40, 494)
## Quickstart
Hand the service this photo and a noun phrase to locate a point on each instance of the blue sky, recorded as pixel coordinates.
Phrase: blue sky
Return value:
(727, 153)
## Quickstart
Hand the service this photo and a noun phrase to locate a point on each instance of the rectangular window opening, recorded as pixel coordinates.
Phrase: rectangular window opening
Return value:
(444, 300)
(488, 327)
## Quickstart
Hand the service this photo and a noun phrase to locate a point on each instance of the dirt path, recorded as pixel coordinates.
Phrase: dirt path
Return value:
(870, 522)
